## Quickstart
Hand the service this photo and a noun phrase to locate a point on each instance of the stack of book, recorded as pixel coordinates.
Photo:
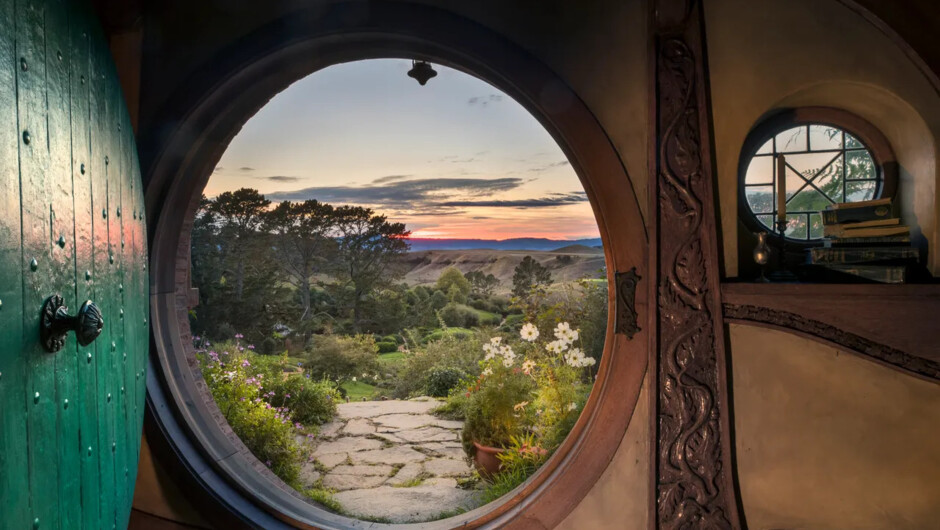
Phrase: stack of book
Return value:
(866, 240)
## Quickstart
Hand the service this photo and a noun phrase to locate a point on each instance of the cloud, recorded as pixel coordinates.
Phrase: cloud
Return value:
(484, 100)
(403, 194)
(280, 178)
(560, 163)
(246, 168)
(555, 199)
(389, 178)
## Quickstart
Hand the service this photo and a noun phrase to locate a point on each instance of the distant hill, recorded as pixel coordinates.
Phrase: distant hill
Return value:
(521, 243)
(424, 267)
(579, 249)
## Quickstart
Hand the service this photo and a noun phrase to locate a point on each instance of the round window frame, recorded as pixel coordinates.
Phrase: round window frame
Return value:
(183, 429)
(871, 138)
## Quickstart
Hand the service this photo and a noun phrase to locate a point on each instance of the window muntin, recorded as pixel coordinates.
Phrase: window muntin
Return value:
(825, 165)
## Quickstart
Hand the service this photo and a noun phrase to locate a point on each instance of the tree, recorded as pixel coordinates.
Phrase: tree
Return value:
(215, 262)
(481, 283)
(529, 275)
(340, 358)
(452, 279)
(301, 241)
(367, 246)
(240, 213)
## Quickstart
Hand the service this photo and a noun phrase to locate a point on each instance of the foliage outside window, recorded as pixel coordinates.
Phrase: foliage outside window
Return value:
(825, 165)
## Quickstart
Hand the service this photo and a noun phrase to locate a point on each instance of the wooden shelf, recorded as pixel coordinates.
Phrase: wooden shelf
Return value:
(903, 317)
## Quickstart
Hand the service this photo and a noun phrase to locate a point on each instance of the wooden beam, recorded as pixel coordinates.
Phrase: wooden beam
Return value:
(694, 471)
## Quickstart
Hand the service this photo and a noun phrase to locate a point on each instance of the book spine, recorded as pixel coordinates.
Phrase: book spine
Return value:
(854, 215)
(861, 255)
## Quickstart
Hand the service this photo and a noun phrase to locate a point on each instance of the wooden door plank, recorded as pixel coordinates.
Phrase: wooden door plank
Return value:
(35, 211)
(100, 278)
(116, 176)
(129, 302)
(62, 227)
(84, 244)
(14, 479)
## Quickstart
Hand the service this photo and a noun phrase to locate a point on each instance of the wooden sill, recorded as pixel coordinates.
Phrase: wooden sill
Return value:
(905, 317)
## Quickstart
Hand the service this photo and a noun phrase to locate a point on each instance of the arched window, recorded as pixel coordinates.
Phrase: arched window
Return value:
(831, 157)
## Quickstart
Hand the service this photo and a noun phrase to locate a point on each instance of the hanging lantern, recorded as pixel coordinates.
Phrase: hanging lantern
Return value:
(421, 71)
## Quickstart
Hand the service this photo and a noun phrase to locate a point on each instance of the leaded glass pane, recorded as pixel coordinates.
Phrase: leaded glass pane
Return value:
(823, 137)
(760, 170)
(760, 198)
(860, 190)
(792, 140)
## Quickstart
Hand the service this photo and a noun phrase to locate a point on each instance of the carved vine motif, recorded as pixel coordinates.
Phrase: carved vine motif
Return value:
(626, 302)
(851, 341)
(692, 486)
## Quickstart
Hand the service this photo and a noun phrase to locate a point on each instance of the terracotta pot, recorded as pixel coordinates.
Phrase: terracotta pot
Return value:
(484, 459)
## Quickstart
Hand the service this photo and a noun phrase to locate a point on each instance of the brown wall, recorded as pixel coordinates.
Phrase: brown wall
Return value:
(772, 54)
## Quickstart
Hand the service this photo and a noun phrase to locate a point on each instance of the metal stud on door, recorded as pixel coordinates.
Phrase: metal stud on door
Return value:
(71, 370)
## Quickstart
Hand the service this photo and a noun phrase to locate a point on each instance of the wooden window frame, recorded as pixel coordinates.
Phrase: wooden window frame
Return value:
(185, 428)
(871, 138)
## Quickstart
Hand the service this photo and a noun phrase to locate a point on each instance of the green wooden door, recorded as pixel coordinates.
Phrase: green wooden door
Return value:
(71, 223)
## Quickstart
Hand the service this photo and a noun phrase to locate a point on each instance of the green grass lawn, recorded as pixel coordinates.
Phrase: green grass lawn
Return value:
(356, 390)
(391, 358)
(487, 318)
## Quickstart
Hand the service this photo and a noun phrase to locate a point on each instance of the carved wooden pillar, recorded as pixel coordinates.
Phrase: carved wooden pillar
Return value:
(693, 460)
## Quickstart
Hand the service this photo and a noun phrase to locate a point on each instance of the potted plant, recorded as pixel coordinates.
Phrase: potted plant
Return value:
(532, 393)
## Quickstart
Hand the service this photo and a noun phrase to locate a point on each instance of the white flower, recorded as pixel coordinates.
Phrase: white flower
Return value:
(570, 336)
(506, 350)
(508, 359)
(488, 348)
(490, 355)
(572, 406)
(562, 329)
(528, 366)
(556, 346)
(575, 357)
(529, 332)
(495, 341)
(488, 371)
(354, 379)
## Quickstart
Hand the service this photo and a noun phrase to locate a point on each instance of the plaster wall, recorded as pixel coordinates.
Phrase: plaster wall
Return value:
(826, 439)
(776, 54)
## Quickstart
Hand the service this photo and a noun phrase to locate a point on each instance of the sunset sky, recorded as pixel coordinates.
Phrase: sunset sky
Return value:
(453, 159)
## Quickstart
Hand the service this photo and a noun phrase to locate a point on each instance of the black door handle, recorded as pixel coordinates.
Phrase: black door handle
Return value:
(55, 323)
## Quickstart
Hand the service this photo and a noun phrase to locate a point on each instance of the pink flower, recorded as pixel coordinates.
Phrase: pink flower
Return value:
(239, 336)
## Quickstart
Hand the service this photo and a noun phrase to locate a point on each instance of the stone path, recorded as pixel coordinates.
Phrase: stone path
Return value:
(392, 460)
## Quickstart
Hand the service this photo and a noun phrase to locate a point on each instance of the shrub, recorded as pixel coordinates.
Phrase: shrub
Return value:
(269, 346)
(237, 385)
(310, 402)
(512, 323)
(517, 463)
(340, 358)
(449, 351)
(224, 331)
(460, 316)
(440, 381)
(387, 347)
(456, 333)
